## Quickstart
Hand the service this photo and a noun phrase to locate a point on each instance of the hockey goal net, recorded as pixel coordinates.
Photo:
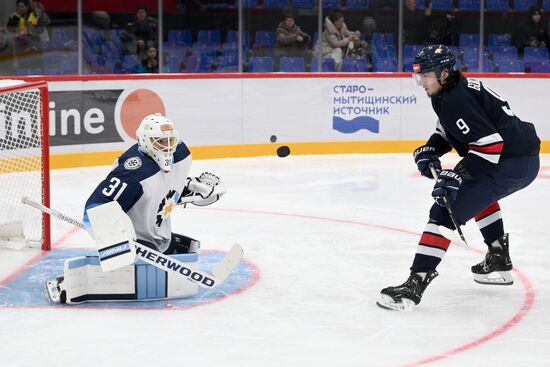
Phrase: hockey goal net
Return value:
(24, 164)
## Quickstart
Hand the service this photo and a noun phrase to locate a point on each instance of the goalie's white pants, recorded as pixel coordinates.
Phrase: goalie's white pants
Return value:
(86, 282)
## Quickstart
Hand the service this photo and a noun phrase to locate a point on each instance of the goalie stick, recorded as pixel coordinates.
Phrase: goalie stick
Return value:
(211, 279)
(446, 232)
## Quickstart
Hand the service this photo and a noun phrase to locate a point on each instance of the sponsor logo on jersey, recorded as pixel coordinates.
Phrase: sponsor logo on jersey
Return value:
(132, 163)
(166, 206)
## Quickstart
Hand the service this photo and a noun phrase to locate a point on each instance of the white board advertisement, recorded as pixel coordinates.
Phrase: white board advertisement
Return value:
(101, 115)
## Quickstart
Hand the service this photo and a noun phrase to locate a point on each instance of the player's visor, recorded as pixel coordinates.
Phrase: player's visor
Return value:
(416, 74)
(421, 79)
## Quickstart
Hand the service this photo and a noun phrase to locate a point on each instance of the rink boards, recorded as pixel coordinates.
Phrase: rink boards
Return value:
(94, 118)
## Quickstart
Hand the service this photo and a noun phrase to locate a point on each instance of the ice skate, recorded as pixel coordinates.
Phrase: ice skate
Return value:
(56, 291)
(407, 295)
(497, 265)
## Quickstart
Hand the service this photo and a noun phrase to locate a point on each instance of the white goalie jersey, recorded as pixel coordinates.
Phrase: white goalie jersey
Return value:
(145, 192)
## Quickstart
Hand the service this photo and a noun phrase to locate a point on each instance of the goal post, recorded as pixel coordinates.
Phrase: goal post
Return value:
(24, 164)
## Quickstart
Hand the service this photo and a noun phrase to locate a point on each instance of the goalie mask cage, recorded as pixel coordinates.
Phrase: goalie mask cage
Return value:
(24, 164)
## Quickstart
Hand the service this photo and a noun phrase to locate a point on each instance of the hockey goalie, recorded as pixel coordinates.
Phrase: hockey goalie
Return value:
(128, 215)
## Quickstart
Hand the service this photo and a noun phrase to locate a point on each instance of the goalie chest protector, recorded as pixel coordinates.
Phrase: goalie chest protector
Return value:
(145, 192)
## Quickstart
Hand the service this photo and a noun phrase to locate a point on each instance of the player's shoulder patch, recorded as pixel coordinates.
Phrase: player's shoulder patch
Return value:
(133, 163)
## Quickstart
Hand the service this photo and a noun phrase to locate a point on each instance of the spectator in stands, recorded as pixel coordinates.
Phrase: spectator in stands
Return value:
(38, 8)
(142, 33)
(357, 49)
(6, 52)
(443, 28)
(415, 23)
(291, 40)
(532, 32)
(336, 37)
(426, 27)
(26, 27)
(151, 64)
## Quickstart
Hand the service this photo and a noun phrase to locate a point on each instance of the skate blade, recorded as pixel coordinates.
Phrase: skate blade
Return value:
(495, 278)
(386, 302)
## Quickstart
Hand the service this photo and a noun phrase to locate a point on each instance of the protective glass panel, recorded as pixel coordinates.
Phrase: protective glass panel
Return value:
(200, 36)
(38, 38)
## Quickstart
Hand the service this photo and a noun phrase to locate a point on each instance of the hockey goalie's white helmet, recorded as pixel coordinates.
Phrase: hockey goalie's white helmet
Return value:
(158, 138)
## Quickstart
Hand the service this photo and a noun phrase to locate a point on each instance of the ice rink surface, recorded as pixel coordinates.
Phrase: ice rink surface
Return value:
(322, 235)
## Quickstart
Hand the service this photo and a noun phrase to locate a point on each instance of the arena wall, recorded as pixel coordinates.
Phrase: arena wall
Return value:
(93, 118)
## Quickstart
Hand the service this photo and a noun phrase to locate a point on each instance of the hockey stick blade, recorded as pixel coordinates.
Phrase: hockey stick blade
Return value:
(228, 263)
(206, 280)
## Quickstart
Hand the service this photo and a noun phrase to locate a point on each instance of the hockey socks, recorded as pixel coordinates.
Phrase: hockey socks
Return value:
(431, 249)
(490, 223)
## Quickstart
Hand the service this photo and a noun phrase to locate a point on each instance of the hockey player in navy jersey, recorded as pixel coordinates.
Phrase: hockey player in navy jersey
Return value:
(499, 156)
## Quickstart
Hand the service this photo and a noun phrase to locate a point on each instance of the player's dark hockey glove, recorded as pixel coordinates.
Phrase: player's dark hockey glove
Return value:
(447, 184)
(423, 156)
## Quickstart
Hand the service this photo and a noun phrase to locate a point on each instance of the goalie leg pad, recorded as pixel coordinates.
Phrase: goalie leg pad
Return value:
(84, 281)
(154, 283)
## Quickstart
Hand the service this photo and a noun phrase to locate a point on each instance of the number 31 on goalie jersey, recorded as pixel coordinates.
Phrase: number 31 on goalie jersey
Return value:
(115, 187)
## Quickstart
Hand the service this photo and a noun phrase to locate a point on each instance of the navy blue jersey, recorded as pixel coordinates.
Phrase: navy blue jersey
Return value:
(480, 126)
(145, 192)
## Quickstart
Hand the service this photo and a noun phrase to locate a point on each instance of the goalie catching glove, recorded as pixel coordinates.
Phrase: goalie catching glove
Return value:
(203, 190)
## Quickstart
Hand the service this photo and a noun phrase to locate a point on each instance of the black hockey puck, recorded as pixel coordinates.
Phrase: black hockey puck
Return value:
(273, 138)
(283, 151)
